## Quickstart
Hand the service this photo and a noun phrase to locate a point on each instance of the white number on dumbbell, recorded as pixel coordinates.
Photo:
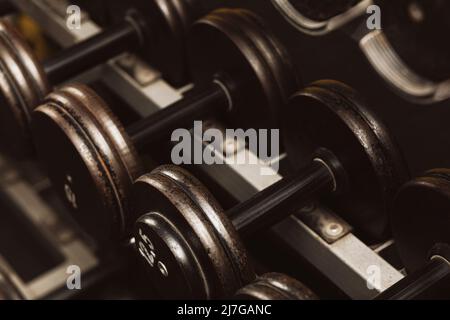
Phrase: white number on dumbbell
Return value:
(70, 195)
(147, 251)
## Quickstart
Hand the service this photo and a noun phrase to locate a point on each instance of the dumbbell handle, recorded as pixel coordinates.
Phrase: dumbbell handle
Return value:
(275, 203)
(210, 101)
(432, 282)
(93, 51)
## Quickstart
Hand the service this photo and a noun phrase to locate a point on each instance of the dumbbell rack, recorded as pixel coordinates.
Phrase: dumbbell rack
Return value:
(327, 242)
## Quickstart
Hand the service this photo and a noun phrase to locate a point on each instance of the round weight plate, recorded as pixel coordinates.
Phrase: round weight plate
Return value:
(22, 87)
(241, 49)
(225, 230)
(169, 24)
(329, 114)
(207, 237)
(421, 217)
(415, 29)
(275, 286)
(89, 159)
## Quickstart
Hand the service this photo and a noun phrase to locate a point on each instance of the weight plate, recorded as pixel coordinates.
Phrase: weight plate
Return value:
(241, 47)
(170, 23)
(329, 114)
(421, 217)
(90, 160)
(22, 87)
(221, 223)
(275, 286)
(193, 216)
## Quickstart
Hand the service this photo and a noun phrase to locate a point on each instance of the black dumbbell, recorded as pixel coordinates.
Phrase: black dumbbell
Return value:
(26, 81)
(191, 244)
(420, 220)
(209, 264)
(275, 286)
(421, 217)
(242, 72)
(431, 282)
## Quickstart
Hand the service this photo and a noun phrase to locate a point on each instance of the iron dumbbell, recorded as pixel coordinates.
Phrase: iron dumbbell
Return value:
(91, 159)
(421, 217)
(420, 221)
(189, 242)
(26, 82)
(214, 265)
(432, 281)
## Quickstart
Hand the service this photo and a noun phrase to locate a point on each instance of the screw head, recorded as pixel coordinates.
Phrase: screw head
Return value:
(333, 229)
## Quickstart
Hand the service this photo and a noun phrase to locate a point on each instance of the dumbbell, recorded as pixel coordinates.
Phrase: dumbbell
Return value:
(214, 265)
(432, 281)
(191, 244)
(26, 82)
(243, 73)
(421, 217)
(420, 220)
